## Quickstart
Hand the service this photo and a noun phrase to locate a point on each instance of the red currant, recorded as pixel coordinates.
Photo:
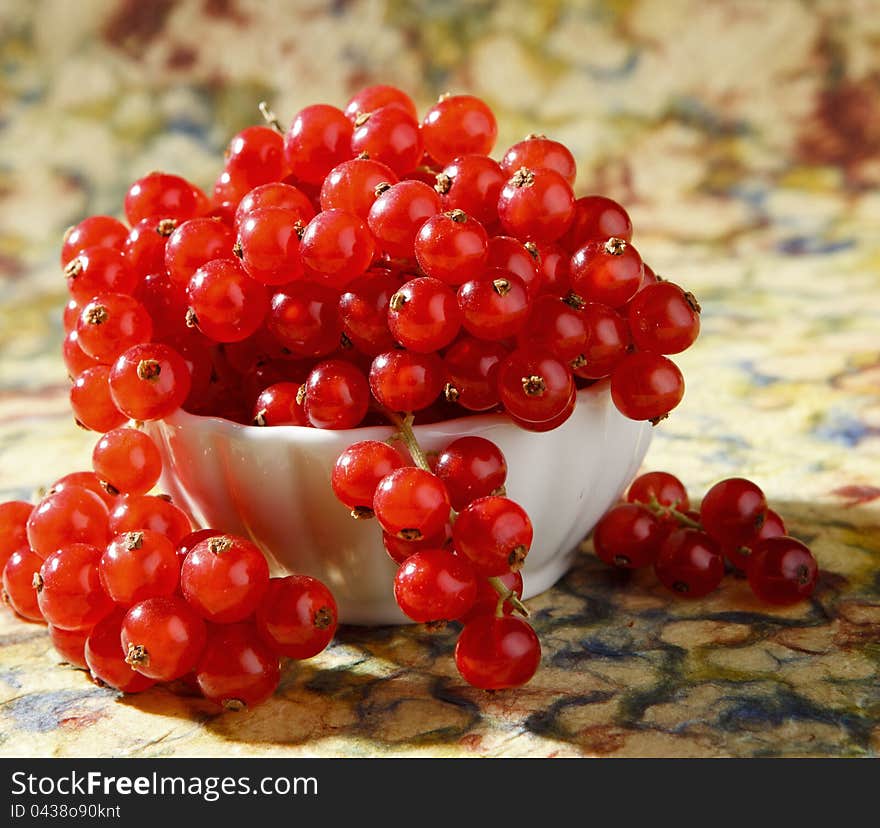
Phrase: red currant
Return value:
(318, 139)
(256, 156)
(106, 658)
(740, 556)
(364, 311)
(359, 469)
(193, 244)
(398, 214)
(689, 563)
(452, 247)
(14, 516)
(471, 367)
(351, 186)
(628, 536)
(411, 503)
(486, 602)
(149, 382)
(497, 653)
(663, 318)
(608, 341)
(495, 533)
(659, 486)
(609, 272)
(435, 585)
(534, 386)
(93, 407)
(423, 315)
(472, 183)
(128, 460)
(139, 565)
(94, 231)
(406, 381)
(156, 513)
(70, 645)
(782, 571)
(69, 589)
(110, 324)
(98, 270)
(336, 247)
(536, 204)
(646, 386)
(389, 135)
(278, 405)
(336, 395)
(537, 152)
(733, 511)
(298, 616)
(496, 306)
(304, 318)
(371, 98)
(160, 195)
(19, 574)
(71, 515)
(458, 125)
(276, 194)
(471, 467)
(596, 219)
(144, 249)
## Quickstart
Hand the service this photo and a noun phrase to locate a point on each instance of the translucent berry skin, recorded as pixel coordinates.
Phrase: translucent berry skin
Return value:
(105, 657)
(452, 247)
(188, 542)
(297, 618)
(276, 194)
(608, 341)
(472, 183)
(733, 511)
(628, 536)
(278, 405)
(18, 583)
(14, 516)
(304, 317)
(435, 585)
(149, 382)
(128, 460)
(70, 645)
(471, 467)
(98, 270)
(224, 578)
(536, 204)
(496, 306)
(741, 556)
(269, 242)
(193, 244)
(363, 309)
(508, 253)
(136, 513)
(424, 315)
(398, 214)
(70, 593)
(318, 139)
(533, 385)
(495, 533)
(351, 186)
(112, 323)
(555, 270)
(71, 314)
(782, 571)
(237, 669)
(411, 503)
(689, 563)
(661, 486)
(160, 195)
(539, 152)
(557, 326)
(646, 386)
(389, 135)
(76, 360)
(144, 249)
(596, 218)
(459, 125)
(406, 381)
(72, 515)
(94, 231)
(93, 406)
(663, 318)
(486, 602)
(256, 156)
(165, 301)
(163, 638)
(359, 469)
(84, 480)
(471, 368)
(497, 653)
(336, 395)
(336, 247)
(606, 272)
(139, 565)
(375, 97)
(228, 305)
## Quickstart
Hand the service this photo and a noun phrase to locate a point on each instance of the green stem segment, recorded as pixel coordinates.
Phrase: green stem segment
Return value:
(505, 594)
(672, 511)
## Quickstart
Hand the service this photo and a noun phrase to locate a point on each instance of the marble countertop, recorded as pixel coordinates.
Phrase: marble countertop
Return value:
(745, 139)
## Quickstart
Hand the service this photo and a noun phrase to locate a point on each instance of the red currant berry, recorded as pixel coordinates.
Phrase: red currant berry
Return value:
(84, 480)
(627, 536)
(371, 98)
(193, 244)
(782, 571)
(662, 487)
(364, 311)
(472, 183)
(237, 670)
(358, 471)
(608, 341)
(94, 231)
(70, 645)
(149, 382)
(278, 405)
(663, 318)
(471, 467)
(398, 214)
(435, 585)
(98, 270)
(534, 386)
(269, 244)
(162, 638)
(188, 542)
(336, 395)
(399, 549)
(256, 156)
(227, 305)
(733, 511)
(452, 247)
(741, 556)
(609, 272)
(72, 515)
(486, 602)
(144, 249)
(471, 368)
(20, 572)
(558, 327)
(537, 152)
(511, 254)
(14, 516)
(110, 324)
(166, 304)
(596, 219)
(128, 460)
(646, 386)
(411, 503)
(90, 399)
(495, 533)
(106, 658)
(389, 135)
(351, 186)
(224, 578)
(497, 653)
(689, 563)
(458, 125)
(406, 381)
(297, 617)
(496, 306)
(276, 194)
(318, 139)
(304, 318)
(155, 513)
(555, 276)
(69, 589)
(76, 360)
(336, 247)
(536, 204)
(160, 195)
(423, 315)
(139, 565)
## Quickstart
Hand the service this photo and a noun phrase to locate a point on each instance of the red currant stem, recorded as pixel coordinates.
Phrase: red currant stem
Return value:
(505, 594)
(270, 117)
(407, 435)
(671, 511)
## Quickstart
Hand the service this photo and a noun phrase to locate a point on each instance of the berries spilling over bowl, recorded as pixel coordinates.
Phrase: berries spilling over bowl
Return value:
(362, 267)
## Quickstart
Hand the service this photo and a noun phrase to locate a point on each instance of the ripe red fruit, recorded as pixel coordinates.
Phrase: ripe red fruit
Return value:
(99, 270)
(509, 253)
(19, 573)
(69, 590)
(458, 125)
(733, 511)
(495, 306)
(276, 194)
(398, 214)
(76, 360)
(318, 139)
(389, 135)
(94, 231)
(135, 513)
(351, 186)
(537, 152)
(106, 658)
(406, 381)
(139, 565)
(336, 395)
(536, 204)
(646, 386)
(84, 480)
(741, 556)
(128, 460)
(471, 368)
(227, 304)
(497, 653)
(144, 249)
(596, 218)
(93, 407)
(304, 318)
(110, 324)
(70, 645)
(663, 318)
(452, 247)
(486, 602)
(472, 183)
(363, 309)
(435, 585)
(534, 386)
(278, 405)
(359, 469)
(255, 156)
(14, 515)
(336, 247)
(661, 486)
(628, 536)
(495, 533)
(782, 571)
(690, 563)
(609, 272)
(423, 315)
(411, 503)
(371, 98)
(297, 617)
(160, 195)
(149, 382)
(193, 244)
(269, 245)
(72, 515)
(471, 467)
(608, 341)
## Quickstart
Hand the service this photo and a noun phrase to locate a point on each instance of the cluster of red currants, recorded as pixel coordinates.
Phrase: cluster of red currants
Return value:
(687, 548)
(364, 257)
(459, 541)
(136, 597)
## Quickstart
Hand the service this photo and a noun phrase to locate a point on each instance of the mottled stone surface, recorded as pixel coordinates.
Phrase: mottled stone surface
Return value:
(745, 138)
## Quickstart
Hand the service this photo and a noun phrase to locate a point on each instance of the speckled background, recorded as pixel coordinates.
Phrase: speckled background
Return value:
(744, 137)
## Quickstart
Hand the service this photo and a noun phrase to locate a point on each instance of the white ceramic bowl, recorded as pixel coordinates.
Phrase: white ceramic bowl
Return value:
(273, 485)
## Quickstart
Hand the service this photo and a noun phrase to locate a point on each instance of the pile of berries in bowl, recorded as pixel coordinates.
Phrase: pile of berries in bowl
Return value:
(367, 274)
